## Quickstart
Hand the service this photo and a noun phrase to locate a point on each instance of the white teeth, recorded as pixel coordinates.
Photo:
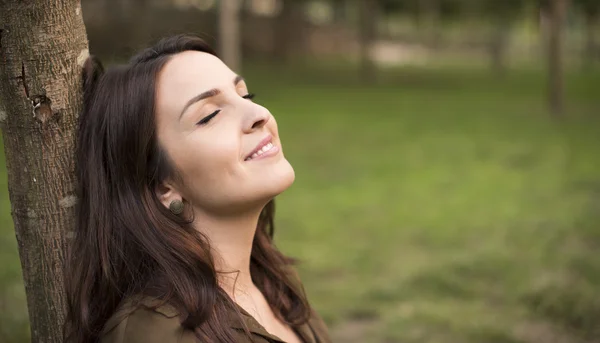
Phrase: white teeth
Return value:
(264, 149)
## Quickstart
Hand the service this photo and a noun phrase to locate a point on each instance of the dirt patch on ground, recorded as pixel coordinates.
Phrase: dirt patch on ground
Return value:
(540, 332)
(353, 331)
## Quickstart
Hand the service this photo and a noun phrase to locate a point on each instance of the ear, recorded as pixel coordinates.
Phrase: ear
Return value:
(167, 193)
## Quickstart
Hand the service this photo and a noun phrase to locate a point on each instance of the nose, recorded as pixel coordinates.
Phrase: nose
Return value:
(257, 117)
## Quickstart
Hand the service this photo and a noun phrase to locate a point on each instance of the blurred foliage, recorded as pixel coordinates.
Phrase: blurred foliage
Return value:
(506, 9)
(590, 7)
(490, 8)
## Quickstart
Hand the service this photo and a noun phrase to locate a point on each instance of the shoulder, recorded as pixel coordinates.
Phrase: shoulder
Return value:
(142, 323)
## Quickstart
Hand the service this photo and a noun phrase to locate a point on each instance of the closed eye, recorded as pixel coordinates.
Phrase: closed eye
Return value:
(206, 119)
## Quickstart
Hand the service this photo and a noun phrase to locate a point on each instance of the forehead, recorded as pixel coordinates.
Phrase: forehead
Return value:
(190, 73)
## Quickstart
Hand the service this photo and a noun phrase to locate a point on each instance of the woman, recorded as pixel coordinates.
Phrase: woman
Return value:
(177, 171)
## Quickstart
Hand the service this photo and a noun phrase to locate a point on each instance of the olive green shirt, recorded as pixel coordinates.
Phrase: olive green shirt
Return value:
(145, 324)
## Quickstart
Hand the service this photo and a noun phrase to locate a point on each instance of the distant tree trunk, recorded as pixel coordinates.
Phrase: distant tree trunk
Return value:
(289, 31)
(339, 11)
(141, 32)
(498, 45)
(229, 33)
(590, 51)
(555, 60)
(430, 21)
(43, 45)
(368, 30)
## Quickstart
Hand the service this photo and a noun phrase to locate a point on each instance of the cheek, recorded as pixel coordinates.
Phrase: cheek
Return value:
(208, 161)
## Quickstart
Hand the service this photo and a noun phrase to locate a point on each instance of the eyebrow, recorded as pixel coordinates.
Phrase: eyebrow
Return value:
(207, 94)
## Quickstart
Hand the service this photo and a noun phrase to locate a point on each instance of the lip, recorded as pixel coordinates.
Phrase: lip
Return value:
(265, 141)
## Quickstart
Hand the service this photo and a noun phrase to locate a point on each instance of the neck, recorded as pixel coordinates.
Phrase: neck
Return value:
(231, 238)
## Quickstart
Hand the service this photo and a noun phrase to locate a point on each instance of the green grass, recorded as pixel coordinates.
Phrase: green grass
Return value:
(437, 206)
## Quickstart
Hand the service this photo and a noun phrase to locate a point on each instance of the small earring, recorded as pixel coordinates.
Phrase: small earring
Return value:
(176, 207)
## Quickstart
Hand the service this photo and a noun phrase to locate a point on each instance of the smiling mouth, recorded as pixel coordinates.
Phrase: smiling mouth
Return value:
(263, 147)
(261, 151)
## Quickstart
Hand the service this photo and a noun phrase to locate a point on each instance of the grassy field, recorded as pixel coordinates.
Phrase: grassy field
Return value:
(438, 206)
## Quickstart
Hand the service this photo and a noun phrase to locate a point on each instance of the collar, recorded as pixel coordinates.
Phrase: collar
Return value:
(304, 331)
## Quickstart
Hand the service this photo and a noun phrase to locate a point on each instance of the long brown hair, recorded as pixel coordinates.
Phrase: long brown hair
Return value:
(127, 243)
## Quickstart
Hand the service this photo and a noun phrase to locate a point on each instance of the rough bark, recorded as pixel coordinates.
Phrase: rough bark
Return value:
(229, 33)
(555, 59)
(42, 47)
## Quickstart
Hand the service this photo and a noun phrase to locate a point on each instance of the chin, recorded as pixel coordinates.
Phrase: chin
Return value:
(279, 178)
(264, 185)
(266, 188)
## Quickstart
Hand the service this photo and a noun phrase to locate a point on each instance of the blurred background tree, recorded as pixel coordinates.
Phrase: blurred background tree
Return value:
(229, 33)
(590, 10)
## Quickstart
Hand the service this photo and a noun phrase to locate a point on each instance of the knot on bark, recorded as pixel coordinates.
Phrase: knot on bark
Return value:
(42, 109)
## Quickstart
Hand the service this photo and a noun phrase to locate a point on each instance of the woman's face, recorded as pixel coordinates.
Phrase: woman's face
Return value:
(225, 147)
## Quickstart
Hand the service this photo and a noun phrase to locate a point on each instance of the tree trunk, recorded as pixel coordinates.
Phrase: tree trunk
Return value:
(289, 31)
(429, 13)
(555, 67)
(339, 11)
(498, 45)
(368, 30)
(43, 45)
(590, 53)
(229, 33)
